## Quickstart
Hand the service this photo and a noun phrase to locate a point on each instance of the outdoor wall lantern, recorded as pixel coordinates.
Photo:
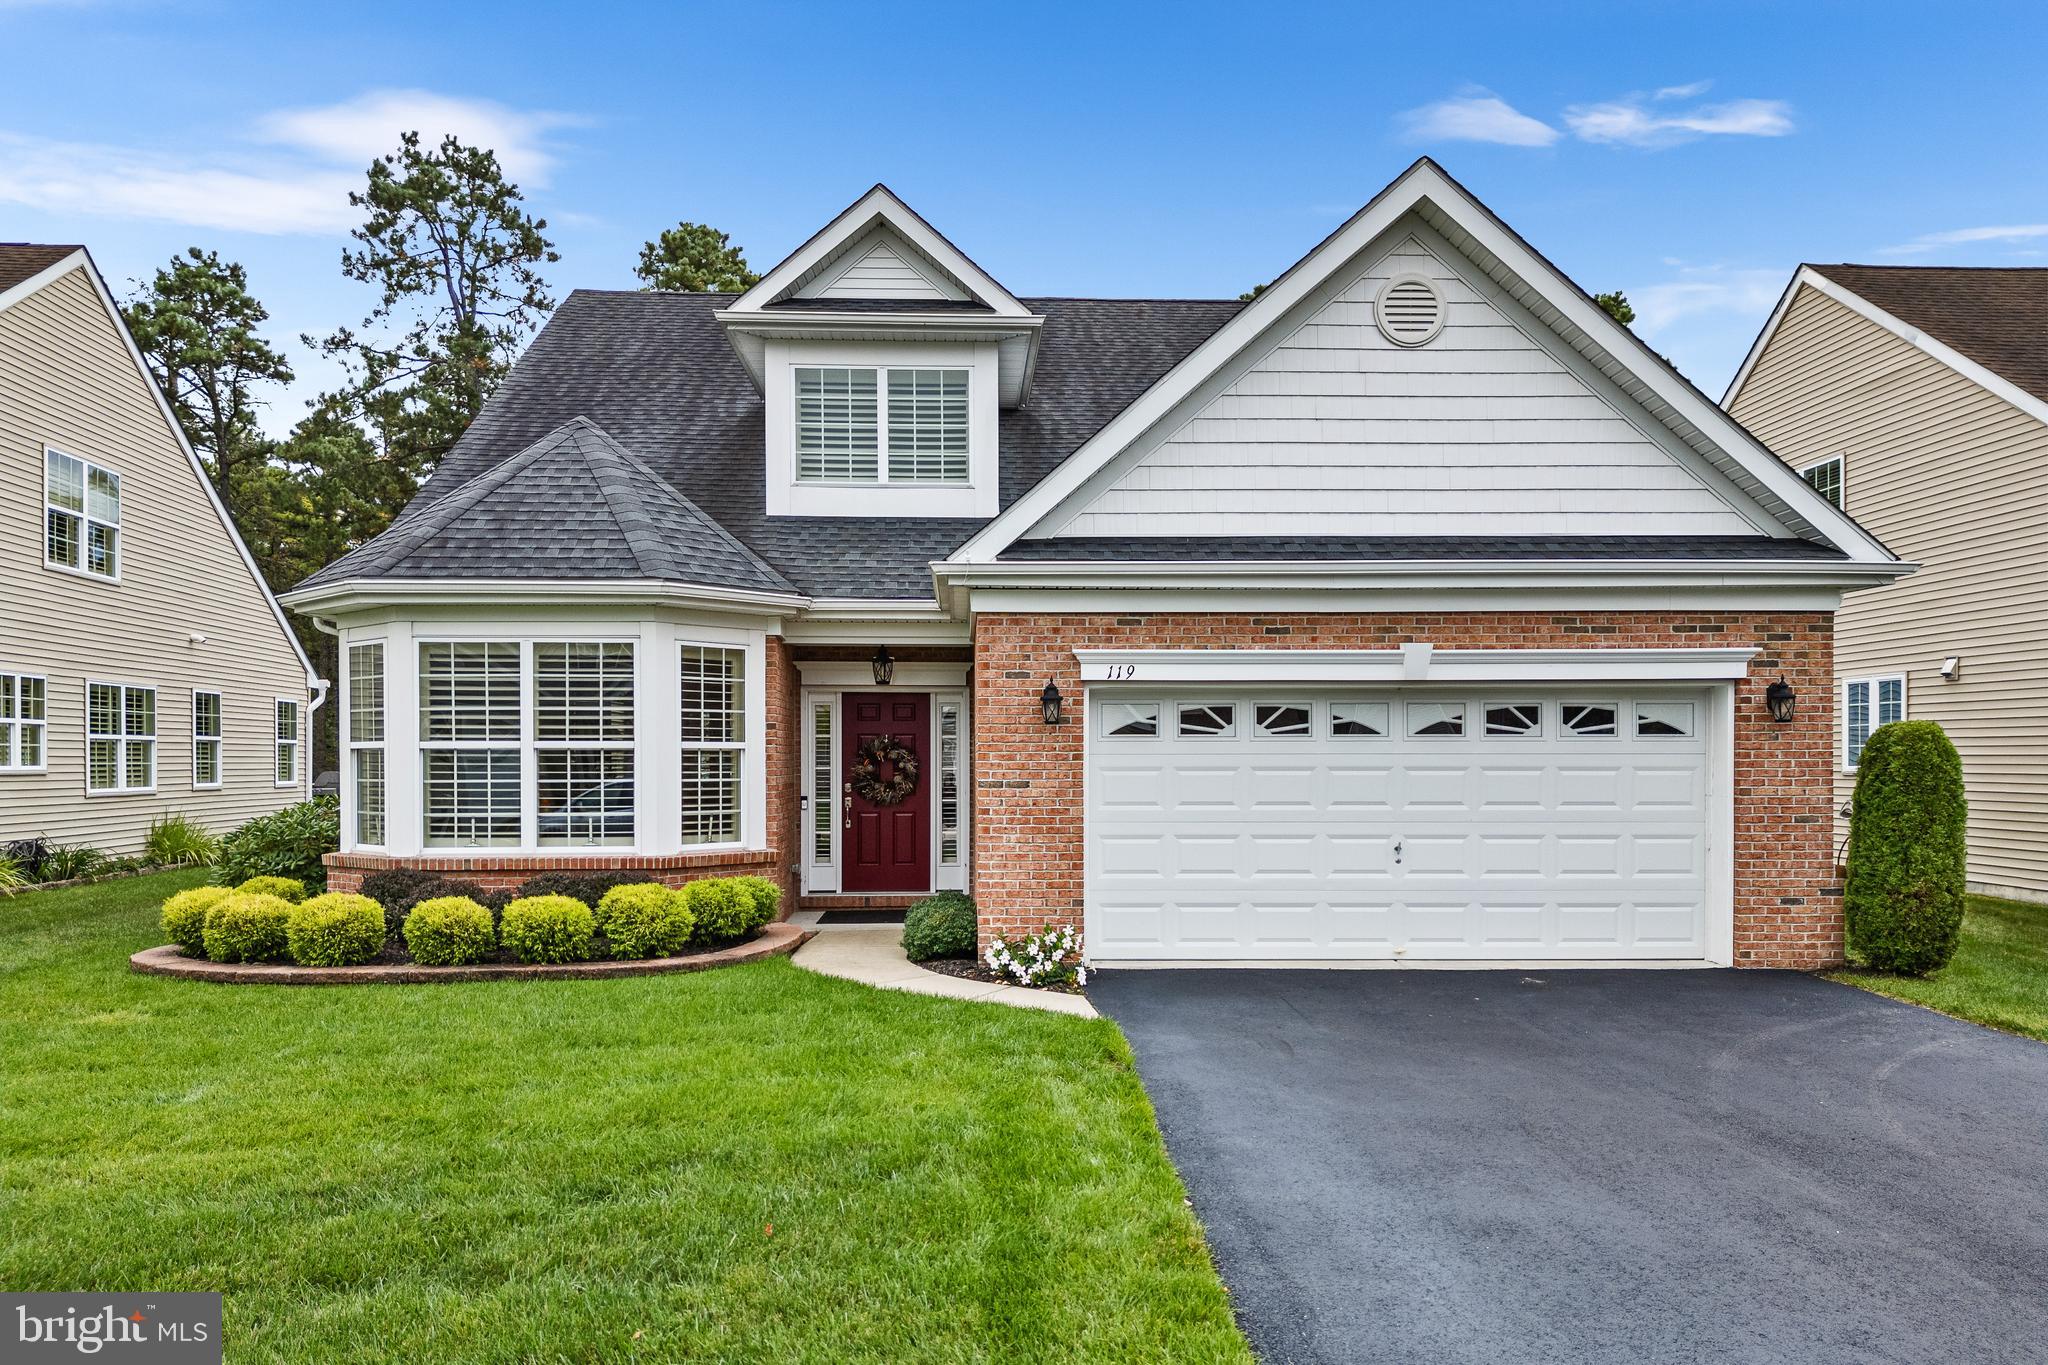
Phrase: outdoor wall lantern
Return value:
(884, 666)
(1049, 703)
(1781, 699)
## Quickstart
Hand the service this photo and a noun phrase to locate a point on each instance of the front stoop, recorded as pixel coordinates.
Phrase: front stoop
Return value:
(873, 954)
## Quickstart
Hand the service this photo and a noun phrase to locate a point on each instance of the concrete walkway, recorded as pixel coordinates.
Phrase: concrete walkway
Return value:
(873, 953)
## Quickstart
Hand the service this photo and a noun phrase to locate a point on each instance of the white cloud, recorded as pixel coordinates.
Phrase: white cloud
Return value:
(1683, 92)
(1476, 116)
(1632, 122)
(300, 184)
(1934, 241)
(357, 131)
(1701, 290)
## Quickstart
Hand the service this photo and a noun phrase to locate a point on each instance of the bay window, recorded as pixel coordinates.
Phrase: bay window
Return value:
(366, 740)
(22, 711)
(583, 738)
(714, 738)
(470, 743)
(120, 739)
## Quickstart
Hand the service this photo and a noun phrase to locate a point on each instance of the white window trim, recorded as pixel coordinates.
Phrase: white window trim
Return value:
(121, 740)
(85, 519)
(954, 876)
(1841, 477)
(220, 741)
(750, 748)
(976, 496)
(352, 744)
(530, 821)
(278, 742)
(821, 875)
(25, 769)
(884, 382)
(1871, 681)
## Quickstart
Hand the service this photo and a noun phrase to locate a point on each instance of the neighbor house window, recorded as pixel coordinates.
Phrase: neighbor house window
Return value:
(583, 743)
(714, 738)
(366, 740)
(81, 515)
(846, 417)
(120, 738)
(287, 742)
(1866, 704)
(470, 743)
(206, 739)
(21, 723)
(1826, 477)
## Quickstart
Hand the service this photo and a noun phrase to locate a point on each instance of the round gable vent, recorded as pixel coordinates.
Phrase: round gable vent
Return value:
(1409, 310)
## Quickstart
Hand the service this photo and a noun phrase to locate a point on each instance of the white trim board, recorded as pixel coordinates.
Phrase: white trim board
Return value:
(1475, 232)
(1412, 663)
(1807, 276)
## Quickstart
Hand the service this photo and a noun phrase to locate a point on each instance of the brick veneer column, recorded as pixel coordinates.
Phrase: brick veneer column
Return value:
(1028, 775)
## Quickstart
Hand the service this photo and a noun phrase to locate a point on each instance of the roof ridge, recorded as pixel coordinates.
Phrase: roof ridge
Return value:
(630, 519)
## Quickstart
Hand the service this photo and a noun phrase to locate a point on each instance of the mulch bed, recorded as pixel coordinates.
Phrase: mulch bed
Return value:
(973, 969)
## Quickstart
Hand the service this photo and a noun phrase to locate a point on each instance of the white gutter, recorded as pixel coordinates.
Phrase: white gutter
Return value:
(1338, 575)
(391, 591)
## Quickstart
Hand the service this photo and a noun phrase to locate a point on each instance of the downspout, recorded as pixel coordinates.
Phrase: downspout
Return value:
(321, 686)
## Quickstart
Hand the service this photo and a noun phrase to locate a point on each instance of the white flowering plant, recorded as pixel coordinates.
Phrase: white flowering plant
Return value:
(1050, 957)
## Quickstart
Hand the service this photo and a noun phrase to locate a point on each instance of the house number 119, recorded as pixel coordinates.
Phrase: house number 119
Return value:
(1118, 672)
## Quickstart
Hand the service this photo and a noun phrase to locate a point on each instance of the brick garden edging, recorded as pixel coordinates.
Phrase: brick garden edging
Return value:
(776, 940)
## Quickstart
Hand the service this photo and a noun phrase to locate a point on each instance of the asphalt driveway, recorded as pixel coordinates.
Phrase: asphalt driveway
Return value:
(1601, 1166)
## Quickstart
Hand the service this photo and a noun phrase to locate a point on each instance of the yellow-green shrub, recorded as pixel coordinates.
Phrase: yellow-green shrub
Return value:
(645, 919)
(248, 927)
(335, 930)
(767, 900)
(722, 908)
(184, 917)
(284, 888)
(547, 929)
(449, 931)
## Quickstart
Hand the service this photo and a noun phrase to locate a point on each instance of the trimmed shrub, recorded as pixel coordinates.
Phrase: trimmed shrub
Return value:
(1904, 895)
(335, 930)
(284, 888)
(588, 887)
(767, 899)
(449, 931)
(645, 919)
(184, 917)
(399, 889)
(248, 927)
(722, 908)
(548, 929)
(286, 843)
(179, 841)
(939, 926)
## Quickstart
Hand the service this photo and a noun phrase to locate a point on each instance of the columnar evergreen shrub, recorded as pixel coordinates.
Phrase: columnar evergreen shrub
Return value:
(1904, 894)
(939, 926)
(644, 919)
(248, 927)
(284, 888)
(547, 929)
(448, 932)
(184, 917)
(335, 930)
(721, 907)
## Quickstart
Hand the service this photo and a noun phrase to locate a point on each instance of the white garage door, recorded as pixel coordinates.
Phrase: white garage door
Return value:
(1419, 823)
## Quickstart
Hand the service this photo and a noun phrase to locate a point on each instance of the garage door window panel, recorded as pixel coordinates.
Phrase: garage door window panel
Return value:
(1130, 720)
(1359, 719)
(1436, 719)
(1284, 720)
(1514, 719)
(1209, 720)
(1591, 719)
(1664, 720)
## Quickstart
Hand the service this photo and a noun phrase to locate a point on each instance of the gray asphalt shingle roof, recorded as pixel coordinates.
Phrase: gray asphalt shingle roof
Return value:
(25, 260)
(574, 504)
(654, 372)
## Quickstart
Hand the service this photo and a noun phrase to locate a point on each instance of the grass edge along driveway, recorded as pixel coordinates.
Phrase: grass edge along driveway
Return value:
(754, 1163)
(1998, 977)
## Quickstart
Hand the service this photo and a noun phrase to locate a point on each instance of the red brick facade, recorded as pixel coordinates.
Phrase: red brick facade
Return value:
(1027, 775)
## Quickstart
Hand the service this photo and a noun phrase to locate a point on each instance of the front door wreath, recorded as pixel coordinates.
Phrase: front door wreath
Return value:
(866, 775)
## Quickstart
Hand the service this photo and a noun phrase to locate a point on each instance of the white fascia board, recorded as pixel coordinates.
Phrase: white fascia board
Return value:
(788, 324)
(371, 592)
(857, 676)
(1763, 338)
(1423, 183)
(1986, 379)
(16, 293)
(1339, 666)
(1341, 575)
(880, 204)
(844, 620)
(82, 257)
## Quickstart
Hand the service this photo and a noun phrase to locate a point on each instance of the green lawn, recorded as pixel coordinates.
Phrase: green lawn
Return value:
(749, 1164)
(1999, 975)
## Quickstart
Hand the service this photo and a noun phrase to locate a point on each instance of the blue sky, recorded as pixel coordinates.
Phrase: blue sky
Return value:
(1690, 154)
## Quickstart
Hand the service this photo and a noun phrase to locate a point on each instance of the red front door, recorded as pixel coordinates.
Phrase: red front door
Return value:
(887, 845)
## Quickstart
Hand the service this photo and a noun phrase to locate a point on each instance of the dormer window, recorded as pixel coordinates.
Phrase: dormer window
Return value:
(842, 414)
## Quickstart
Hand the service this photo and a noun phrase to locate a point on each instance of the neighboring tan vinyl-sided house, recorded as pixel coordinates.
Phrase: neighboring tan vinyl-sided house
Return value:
(145, 669)
(1412, 610)
(1916, 397)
